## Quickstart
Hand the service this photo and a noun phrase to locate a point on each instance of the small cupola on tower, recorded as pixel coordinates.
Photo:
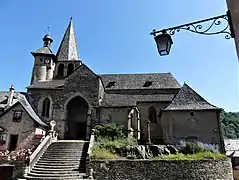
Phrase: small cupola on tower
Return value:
(44, 64)
(47, 40)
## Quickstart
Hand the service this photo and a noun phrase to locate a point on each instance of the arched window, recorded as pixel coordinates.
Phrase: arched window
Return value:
(70, 69)
(152, 114)
(60, 71)
(46, 108)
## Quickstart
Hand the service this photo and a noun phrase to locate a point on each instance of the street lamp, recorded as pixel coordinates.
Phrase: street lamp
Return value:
(163, 37)
(164, 43)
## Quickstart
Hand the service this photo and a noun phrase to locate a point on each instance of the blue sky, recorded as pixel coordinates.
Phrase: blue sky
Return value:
(113, 37)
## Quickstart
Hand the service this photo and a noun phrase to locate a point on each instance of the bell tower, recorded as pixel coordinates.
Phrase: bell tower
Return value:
(44, 63)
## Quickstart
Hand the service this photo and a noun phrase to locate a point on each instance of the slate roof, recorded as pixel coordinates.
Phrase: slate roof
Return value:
(54, 84)
(137, 81)
(68, 48)
(4, 95)
(188, 99)
(232, 147)
(20, 98)
(44, 50)
(118, 100)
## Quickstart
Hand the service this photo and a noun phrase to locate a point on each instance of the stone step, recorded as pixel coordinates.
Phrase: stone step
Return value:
(56, 166)
(62, 156)
(54, 178)
(53, 161)
(64, 150)
(68, 145)
(78, 175)
(52, 168)
(66, 161)
(61, 146)
(58, 172)
(64, 153)
(62, 176)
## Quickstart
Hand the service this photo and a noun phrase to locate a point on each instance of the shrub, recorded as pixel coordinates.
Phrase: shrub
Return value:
(109, 131)
(191, 148)
(209, 147)
(197, 147)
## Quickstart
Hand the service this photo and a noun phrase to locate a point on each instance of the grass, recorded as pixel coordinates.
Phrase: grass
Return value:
(107, 149)
(103, 153)
(198, 156)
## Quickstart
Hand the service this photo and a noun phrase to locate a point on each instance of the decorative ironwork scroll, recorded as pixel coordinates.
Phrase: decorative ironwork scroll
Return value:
(214, 26)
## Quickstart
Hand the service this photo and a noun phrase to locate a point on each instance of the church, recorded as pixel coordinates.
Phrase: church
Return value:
(66, 90)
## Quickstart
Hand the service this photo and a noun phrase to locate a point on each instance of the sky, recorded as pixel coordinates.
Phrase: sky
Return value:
(113, 37)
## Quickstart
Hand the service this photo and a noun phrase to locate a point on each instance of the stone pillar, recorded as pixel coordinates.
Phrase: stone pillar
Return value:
(138, 126)
(52, 131)
(148, 132)
(88, 125)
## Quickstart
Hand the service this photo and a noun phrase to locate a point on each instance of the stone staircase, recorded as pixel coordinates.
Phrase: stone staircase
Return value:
(63, 159)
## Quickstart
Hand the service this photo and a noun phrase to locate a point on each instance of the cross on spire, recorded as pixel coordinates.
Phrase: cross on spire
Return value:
(48, 30)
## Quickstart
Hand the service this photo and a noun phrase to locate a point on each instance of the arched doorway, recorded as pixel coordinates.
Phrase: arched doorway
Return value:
(77, 110)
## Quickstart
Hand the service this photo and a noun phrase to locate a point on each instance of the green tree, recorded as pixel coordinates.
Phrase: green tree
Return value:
(230, 124)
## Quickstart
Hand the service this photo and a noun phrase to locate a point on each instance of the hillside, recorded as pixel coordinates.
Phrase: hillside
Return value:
(230, 124)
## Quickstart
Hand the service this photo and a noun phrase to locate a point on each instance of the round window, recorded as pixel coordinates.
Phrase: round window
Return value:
(192, 113)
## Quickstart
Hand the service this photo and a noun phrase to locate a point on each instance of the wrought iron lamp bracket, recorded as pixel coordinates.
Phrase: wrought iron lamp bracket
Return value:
(199, 28)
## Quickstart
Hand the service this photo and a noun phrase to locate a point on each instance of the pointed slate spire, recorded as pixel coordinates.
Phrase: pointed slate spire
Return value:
(68, 50)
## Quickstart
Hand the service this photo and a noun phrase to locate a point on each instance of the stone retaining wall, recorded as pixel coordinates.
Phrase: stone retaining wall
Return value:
(162, 170)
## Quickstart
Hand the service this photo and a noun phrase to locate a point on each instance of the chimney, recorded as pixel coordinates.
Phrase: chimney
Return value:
(10, 97)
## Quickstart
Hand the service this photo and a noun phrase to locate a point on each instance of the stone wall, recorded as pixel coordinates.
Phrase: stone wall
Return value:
(203, 126)
(162, 170)
(11, 170)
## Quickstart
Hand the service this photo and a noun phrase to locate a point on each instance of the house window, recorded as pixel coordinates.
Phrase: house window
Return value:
(3, 138)
(60, 71)
(70, 69)
(17, 116)
(152, 114)
(46, 108)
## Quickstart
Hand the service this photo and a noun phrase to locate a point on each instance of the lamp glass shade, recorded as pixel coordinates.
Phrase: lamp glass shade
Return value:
(164, 43)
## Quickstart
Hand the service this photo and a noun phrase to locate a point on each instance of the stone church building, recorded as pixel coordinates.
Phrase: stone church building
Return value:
(66, 90)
